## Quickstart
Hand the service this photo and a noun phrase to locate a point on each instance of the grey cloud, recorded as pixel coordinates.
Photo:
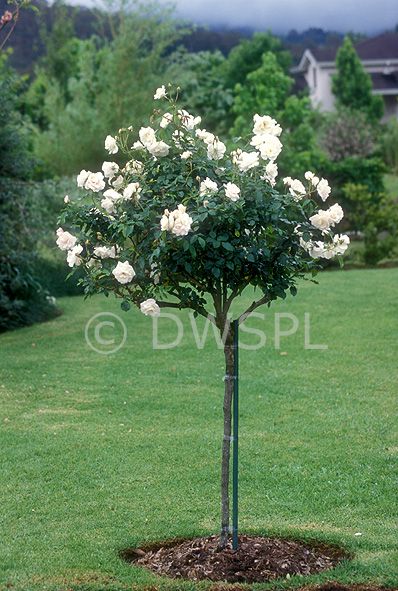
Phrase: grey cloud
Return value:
(283, 15)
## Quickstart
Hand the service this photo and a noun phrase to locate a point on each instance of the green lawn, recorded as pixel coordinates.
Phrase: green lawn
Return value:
(102, 452)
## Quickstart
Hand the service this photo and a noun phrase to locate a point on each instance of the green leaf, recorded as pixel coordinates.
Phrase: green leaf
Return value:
(228, 246)
(125, 306)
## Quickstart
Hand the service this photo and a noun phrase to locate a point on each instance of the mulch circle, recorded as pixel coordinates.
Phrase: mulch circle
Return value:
(257, 559)
(335, 586)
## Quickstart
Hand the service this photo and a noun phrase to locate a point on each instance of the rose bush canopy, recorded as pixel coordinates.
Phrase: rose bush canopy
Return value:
(182, 220)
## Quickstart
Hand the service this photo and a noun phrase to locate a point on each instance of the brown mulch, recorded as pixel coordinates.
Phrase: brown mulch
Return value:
(334, 586)
(257, 559)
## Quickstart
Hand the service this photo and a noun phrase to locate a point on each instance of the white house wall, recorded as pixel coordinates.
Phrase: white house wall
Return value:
(319, 80)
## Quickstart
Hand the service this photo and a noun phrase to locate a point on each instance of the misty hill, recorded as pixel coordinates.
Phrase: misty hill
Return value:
(27, 44)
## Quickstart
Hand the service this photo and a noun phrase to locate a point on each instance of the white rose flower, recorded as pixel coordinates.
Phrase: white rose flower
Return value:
(207, 187)
(232, 191)
(166, 221)
(118, 182)
(110, 169)
(111, 145)
(150, 307)
(132, 190)
(340, 243)
(270, 147)
(265, 124)
(72, 257)
(216, 150)
(336, 213)
(205, 136)
(113, 195)
(310, 176)
(134, 166)
(188, 121)
(321, 220)
(160, 93)
(166, 119)
(316, 249)
(182, 221)
(66, 199)
(296, 188)
(81, 178)
(185, 155)
(245, 160)
(147, 136)
(105, 252)
(159, 149)
(323, 189)
(123, 272)
(271, 172)
(95, 182)
(137, 146)
(65, 240)
(108, 204)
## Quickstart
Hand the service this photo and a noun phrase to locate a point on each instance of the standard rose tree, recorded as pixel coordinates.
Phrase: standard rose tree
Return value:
(181, 221)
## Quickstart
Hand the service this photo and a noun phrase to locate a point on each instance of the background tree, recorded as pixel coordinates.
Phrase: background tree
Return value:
(352, 86)
(108, 86)
(265, 90)
(248, 56)
(201, 78)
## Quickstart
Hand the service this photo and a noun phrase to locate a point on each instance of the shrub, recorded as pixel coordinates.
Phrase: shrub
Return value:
(375, 217)
(22, 298)
(389, 145)
(347, 134)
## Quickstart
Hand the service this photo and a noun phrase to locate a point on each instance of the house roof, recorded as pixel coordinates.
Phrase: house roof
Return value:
(382, 47)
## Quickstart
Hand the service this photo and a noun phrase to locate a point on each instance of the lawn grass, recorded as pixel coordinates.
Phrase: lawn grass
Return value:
(100, 452)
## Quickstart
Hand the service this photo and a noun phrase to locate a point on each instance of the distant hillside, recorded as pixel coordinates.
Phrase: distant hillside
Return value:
(27, 44)
(26, 40)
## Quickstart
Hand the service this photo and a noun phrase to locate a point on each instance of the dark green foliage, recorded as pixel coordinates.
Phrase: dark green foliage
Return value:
(264, 91)
(352, 86)
(200, 76)
(22, 298)
(375, 216)
(248, 56)
(359, 171)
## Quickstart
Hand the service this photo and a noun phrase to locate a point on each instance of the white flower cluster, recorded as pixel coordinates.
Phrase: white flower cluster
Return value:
(158, 149)
(177, 222)
(67, 242)
(319, 249)
(327, 218)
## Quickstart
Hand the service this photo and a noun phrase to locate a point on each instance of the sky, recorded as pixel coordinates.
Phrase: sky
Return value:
(368, 16)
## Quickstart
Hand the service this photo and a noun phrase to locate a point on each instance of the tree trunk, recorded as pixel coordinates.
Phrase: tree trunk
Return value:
(226, 443)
